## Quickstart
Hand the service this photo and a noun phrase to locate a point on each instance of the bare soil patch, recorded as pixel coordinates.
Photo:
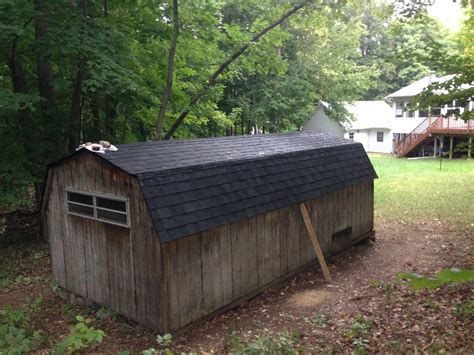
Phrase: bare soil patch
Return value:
(309, 298)
(364, 290)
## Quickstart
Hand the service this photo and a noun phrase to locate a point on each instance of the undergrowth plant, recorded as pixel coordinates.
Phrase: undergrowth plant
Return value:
(444, 277)
(360, 328)
(281, 343)
(16, 337)
(81, 336)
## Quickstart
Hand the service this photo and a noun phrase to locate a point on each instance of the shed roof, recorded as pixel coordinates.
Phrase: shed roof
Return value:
(194, 185)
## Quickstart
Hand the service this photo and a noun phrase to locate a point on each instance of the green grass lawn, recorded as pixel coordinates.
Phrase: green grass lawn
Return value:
(417, 190)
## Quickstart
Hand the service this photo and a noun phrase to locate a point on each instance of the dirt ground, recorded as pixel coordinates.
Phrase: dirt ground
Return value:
(365, 305)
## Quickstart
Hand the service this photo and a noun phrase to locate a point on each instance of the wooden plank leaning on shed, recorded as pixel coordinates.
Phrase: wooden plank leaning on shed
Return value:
(314, 241)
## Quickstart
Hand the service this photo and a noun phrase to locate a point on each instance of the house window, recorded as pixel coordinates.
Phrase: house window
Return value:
(422, 114)
(100, 207)
(436, 111)
(408, 110)
(351, 135)
(379, 136)
(399, 109)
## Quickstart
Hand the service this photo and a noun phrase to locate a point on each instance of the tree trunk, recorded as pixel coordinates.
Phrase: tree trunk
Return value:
(213, 79)
(76, 109)
(43, 66)
(16, 69)
(95, 118)
(110, 117)
(169, 74)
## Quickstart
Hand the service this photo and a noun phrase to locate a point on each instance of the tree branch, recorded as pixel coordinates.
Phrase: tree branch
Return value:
(169, 74)
(212, 80)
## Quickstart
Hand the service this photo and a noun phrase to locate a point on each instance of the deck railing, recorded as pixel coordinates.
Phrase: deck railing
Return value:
(452, 125)
(433, 125)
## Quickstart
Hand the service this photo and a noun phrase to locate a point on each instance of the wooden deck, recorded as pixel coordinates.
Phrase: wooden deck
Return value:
(451, 126)
(440, 125)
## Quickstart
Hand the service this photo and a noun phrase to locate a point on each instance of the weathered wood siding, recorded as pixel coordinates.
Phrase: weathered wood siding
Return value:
(206, 272)
(115, 266)
(168, 286)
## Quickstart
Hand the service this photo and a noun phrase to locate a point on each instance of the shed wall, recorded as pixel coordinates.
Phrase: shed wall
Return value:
(206, 272)
(112, 265)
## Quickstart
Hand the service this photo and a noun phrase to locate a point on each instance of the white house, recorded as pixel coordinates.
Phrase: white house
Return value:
(415, 131)
(405, 121)
(371, 124)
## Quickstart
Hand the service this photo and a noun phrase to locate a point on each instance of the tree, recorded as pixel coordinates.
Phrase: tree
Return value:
(234, 56)
(401, 50)
(460, 87)
(169, 73)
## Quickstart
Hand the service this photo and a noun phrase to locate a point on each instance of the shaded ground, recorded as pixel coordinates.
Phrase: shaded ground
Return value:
(364, 307)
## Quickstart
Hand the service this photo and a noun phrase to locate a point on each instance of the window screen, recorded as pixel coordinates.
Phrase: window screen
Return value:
(80, 198)
(99, 207)
(436, 111)
(351, 135)
(379, 136)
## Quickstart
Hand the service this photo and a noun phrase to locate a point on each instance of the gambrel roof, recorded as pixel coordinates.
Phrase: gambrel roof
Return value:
(198, 184)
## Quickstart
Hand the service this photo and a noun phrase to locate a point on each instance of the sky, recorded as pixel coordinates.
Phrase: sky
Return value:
(448, 12)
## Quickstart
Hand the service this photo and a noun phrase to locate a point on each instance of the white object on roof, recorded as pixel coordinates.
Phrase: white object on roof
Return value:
(101, 147)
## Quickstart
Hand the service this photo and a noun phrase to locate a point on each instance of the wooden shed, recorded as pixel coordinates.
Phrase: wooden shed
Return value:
(171, 232)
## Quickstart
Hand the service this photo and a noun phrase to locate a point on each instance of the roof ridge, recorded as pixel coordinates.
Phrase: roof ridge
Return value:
(209, 165)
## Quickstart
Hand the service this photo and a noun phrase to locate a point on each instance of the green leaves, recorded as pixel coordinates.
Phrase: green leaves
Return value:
(81, 336)
(443, 277)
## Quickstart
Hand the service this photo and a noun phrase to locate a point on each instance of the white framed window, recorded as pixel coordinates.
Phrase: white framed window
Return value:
(399, 109)
(379, 136)
(351, 135)
(101, 207)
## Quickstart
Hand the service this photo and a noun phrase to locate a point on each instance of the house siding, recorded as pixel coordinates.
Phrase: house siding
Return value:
(380, 147)
(360, 136)
(320, 122)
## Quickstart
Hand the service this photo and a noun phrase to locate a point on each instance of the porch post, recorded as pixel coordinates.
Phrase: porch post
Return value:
(451, 147)
(469, 147)
(435, 144)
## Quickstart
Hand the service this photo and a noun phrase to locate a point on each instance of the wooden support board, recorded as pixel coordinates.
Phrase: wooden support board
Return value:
(314, 241)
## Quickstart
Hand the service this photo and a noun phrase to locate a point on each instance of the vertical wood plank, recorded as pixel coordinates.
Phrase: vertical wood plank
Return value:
(236, 245)
(212, 280)
(226, 263)
(250, 256)
(293, 237)
(279, 232)
(55, 223)
(120, 270)
(171, 314)
(190, 279)
(264, 226)
(306, 249)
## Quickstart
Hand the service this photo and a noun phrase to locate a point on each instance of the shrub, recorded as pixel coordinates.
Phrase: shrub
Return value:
(444, 277)
(15, 335)
(80, 336)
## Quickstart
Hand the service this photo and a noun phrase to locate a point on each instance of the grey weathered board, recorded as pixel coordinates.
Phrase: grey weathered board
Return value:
(270, 261)
(169, 286)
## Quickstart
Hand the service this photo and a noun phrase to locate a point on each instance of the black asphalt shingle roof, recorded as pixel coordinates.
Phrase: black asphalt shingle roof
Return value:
(199, 184)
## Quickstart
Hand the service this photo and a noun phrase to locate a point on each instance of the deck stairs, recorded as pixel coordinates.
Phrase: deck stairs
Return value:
(433, 126)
